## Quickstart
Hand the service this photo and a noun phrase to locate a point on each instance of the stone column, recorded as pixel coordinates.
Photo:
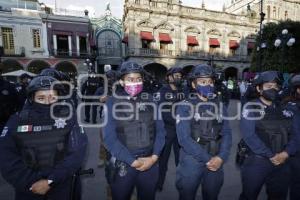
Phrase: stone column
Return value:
(70, 45)
(77, 45)
(55, 44)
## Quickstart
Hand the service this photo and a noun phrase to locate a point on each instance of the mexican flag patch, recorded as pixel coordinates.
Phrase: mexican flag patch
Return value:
(25, 128)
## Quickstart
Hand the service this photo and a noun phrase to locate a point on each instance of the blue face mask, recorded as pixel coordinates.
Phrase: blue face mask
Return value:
(205, 91)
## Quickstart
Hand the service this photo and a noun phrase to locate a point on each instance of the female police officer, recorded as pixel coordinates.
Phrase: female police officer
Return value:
(205, 138)
(133, 136)
(270, 141)
(41, 149)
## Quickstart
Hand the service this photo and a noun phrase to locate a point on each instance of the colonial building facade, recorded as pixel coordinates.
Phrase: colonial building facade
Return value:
(108, 36)
(274, 9)
(163, 34)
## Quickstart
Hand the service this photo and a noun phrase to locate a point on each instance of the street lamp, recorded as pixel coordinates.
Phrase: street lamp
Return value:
(284, 40)
(89, 63)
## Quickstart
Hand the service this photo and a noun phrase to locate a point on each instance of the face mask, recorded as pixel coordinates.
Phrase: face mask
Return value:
(205, 91)
(133, 89)
(178, 83)
(270, 94)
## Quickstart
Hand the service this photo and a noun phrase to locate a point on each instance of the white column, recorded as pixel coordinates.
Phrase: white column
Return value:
(77, 45)
(55, 44)
(70, 45)
(44, 36)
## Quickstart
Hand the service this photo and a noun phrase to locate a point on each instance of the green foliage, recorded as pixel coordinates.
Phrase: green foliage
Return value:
(283, 58)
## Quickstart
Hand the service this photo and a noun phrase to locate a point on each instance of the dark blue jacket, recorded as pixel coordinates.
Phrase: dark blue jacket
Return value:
(22, 177)
(113, 144)
(189, 145)
(251, 138)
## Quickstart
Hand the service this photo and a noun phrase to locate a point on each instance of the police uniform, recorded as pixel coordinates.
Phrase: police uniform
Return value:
(265, 134)
(89, 88)
(167, 95)
(8, 101)
(140, 134)
(201, 139)
(34, 146)
(294, 108)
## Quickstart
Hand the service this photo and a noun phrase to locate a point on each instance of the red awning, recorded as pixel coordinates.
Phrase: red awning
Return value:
(165, 37)
(233, 44)
(146, 36)
(251, 45)
(214, 42)
(125, 39)
(192, 40)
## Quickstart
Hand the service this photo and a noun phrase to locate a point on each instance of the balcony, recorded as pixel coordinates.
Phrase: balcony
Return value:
(62, 53)
(16, 52)
(186, 55)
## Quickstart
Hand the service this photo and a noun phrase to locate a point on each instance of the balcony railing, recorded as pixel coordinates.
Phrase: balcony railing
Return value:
(16, 52)
(109, 52)
(186, 54)
(63, 53)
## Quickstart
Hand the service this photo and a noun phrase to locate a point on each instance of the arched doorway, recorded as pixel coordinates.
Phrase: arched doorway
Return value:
(109, 44)
(36, 66)
(67, 67)
(231, 72)
(158, 71)
(10, 65)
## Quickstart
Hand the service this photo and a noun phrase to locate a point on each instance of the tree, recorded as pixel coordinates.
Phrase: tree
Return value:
(283, 58)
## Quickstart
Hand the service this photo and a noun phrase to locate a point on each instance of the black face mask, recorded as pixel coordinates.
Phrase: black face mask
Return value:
(270, 94)
(178, 83)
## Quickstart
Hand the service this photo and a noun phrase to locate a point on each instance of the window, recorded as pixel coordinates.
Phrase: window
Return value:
(154, 4)
(268, 12)
(286, 15)
(212, 49)
(137, 2)
(36, 38)
(163, 46)
(249, 51)
(191, 48)
(279, 14)
(146, 44)
(8, 40)
(274, 12)
(232, 52)
(82, 45)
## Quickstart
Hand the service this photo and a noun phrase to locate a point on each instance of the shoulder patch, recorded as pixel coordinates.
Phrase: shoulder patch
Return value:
(4, 131)
(287, 113)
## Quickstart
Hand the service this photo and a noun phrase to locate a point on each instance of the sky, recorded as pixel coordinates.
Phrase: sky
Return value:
(97, 7)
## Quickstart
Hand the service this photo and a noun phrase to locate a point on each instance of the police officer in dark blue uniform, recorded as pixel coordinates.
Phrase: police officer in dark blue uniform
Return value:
(270, 139)
(295, 161)
(40, 149)
(21, 89)
(8, 101)
(89, 88)
(204, 136)
(169, 94)
(134, 137)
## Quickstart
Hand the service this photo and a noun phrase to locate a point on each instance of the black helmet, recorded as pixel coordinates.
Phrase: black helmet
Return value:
(267, 76)
(51, 72)
(130, 67)
(42, 83)
(173, 70)
(295, 80)
(24, 75)
(202, 71)
(111, 74)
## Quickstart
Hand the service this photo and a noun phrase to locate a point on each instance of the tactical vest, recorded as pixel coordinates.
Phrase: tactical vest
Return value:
(207, 132)
(42, 144)
(274, 130)
(138, 132)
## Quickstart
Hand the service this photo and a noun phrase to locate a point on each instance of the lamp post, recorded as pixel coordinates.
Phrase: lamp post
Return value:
(283, 41)
(262, 18)
(89, 64)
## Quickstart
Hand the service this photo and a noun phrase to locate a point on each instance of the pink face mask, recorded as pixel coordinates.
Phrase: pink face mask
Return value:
(133, 89)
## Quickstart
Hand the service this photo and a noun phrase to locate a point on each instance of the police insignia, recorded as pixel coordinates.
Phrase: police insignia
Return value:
(197, 117)
(245, 113)
(177, 119)
(60, 123)
(4, 131)
(25, 128)
(287, 113)
(142, 107)
(37, 128)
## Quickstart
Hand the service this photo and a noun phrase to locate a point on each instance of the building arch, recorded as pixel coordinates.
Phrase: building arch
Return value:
(109, 43)
(10, 65)
(36, 66)
(68, 68)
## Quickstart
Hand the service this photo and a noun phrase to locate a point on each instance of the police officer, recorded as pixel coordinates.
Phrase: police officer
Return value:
(295, 161)
(204, 137)
(8, 101)
(21, 89)
(134, 137)
(169, 94)
(40, 149)
(89, 88)
(268, 135)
